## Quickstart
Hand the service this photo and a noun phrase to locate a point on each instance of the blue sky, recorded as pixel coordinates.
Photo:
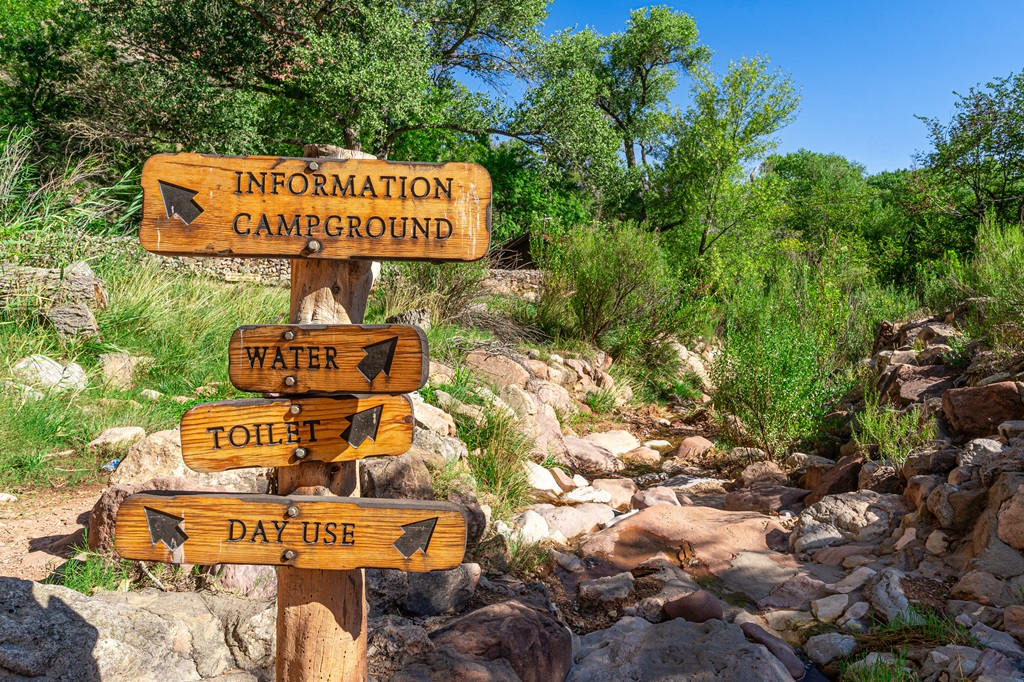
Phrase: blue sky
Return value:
(864, 69)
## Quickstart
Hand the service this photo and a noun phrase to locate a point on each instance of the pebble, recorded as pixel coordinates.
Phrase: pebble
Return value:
(5, 498)
(150, 394)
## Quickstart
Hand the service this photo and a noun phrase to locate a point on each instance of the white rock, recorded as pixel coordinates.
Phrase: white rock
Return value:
(46, 373)
(569, 562)
(823, 649)
(531, 527)
(580, 481)
(909, 535)
(587, 494)
(857, 610)
(543, 486)
(979, 452)
(116, 439)
(524, 404)
(150, 394)
(5, 498)
(610, 588)
(429, 417)
(618, 442)
(937, 542)
(829, 608)
(26, 392)
(658, 444)
(856, 580)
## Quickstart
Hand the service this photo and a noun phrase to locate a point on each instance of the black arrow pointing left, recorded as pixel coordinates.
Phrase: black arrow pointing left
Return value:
(164, 527)
(179, 201)
(363, 425)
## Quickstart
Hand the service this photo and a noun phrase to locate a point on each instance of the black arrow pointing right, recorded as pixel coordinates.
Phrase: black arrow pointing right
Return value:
(163, 527)
(363, 425)
(416, 536)
(178, 201)
(378, 358)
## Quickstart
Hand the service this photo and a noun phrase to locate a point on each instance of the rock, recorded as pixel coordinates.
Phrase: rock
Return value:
(45, 373)
(956, 507)
(1013, 621)
(864, 516)
(676, 651)
(591, 458)
(7, 498)
(53, 633)
(691, 446)
(616, 442)
(573, 521)
(417, 318)
(905, 385)
(978, 586)
(535, 644)
(903, 357)
(430, 417)
(403, 477)
(476, 520)
(934, 355)
(519, 401)
(104, 512)
(979, 410)
(882, 477)
(609, 589)
(930, 461)
(765, 498)
(564, 480)
(1002, 642)
(73, 321)
(842, 478)
(119, 369)
(823, 649)
(766, 472)
(440, 374)
(393, 643)
(115, 441)
(554, 395)
(500, 370)
(150, 394)
(854, 581)
(884, 591)
(75, 284)
(795, 593)
(857, 611)
(1012, 429)
(919, 487)
(543, 486)
(708, 535)
(532, 528)
(696, 607)
(937, 543)
(659, 444)
(643, 455)
(777, 647)
(449, 666)
(980, 452)
(692, 363)
(1011, 520)
(620, 489)
(450, 449)
(799, 460)
(437, 592)
(654, 496)
(587, 494)
(831, 608)
(243, 580)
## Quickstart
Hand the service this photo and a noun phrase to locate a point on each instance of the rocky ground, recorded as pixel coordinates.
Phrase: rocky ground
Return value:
(664, 557)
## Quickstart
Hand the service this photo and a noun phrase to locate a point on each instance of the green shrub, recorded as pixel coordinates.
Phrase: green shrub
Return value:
(525, 558)
(895, 434)
(879, 670)
(447, 289)
(601, 401)
(89, 572)
(996, 272)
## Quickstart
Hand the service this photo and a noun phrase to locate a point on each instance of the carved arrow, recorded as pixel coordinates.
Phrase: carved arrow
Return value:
(179, 201)
(363, 425)
(378, 358)
(163, 527)
(416, 536)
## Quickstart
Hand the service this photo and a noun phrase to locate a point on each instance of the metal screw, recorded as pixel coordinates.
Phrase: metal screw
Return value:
(313, 245)
(300, 453)
(289, 335)
(289, 381)
(313, 165)
(289, 554)
(295, 409)
(292, 511)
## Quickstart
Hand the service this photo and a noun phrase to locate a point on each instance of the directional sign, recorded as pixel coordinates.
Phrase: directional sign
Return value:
(268, 206)
(337, 533)
(351, 358)
(279, 432)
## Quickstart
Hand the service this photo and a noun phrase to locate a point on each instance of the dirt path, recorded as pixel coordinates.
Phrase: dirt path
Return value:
(38, 531)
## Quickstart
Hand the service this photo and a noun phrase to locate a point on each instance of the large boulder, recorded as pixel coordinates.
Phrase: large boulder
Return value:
(864, 516)
(617, 442)
(55, 634)
(115, 441)
(535, 644)
(765, 498)
(573, 521)
(591, 458)
(498, 369)
(41, 372)
(678, 651)
(905, 385)
(979, 410)
(404, 477)
(841, 478)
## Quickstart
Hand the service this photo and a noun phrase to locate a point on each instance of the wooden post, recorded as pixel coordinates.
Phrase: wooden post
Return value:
(321, 615)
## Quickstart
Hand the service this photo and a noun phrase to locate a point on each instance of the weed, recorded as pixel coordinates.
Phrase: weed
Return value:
(601, 401)
(497, 450)
(918, 627)
(90, 571)
(525, 558)
(880, 669)
(959, 356)
(895, 434)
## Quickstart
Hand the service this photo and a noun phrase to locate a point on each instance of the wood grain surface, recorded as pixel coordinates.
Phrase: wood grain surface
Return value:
(268, 206)
(334, 533)
(328, 359)
(265, 432)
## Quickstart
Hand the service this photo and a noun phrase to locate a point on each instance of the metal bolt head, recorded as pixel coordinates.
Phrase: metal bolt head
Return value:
(295, 409)
(289, 381)
(300, 453)
(292, 511)
(289, 335)
(313, 165)
(289, 554)
(314, 245)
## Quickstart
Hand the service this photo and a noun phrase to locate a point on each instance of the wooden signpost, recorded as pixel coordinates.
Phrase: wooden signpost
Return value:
(332, 385)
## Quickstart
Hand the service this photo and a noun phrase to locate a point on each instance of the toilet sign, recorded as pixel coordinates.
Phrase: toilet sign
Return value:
(336, 533)
(269, 206)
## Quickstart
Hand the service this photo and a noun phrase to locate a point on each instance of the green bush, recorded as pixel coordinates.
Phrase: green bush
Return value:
(895, 434)
(447, 289)
(997, 272)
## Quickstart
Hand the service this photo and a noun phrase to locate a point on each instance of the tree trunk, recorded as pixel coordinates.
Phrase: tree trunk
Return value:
(321, 615)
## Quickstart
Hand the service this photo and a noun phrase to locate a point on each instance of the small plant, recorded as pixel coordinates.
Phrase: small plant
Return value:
(90, 571)
(689, 387)
(959, 357)
(917, 627)
(525, 558)
(878, 670)
(895, 434)
(497, 450)
(601, 401)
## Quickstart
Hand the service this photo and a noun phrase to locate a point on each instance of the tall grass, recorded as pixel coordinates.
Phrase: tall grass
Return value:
(895, 434)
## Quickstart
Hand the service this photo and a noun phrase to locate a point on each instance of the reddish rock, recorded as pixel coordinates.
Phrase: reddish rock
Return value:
(693, 446)
(696, 607)
(797, 593)
(979, 410)
(834, 556)
(643, 455)
(908, 384)
(535, 644)
(101, 518)
(842, 478)
(499, 369)
(621, 490)
(763, 472)
(918, 488)
(655, 496)
(814, 475)
(778, 648)
(764, 498)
